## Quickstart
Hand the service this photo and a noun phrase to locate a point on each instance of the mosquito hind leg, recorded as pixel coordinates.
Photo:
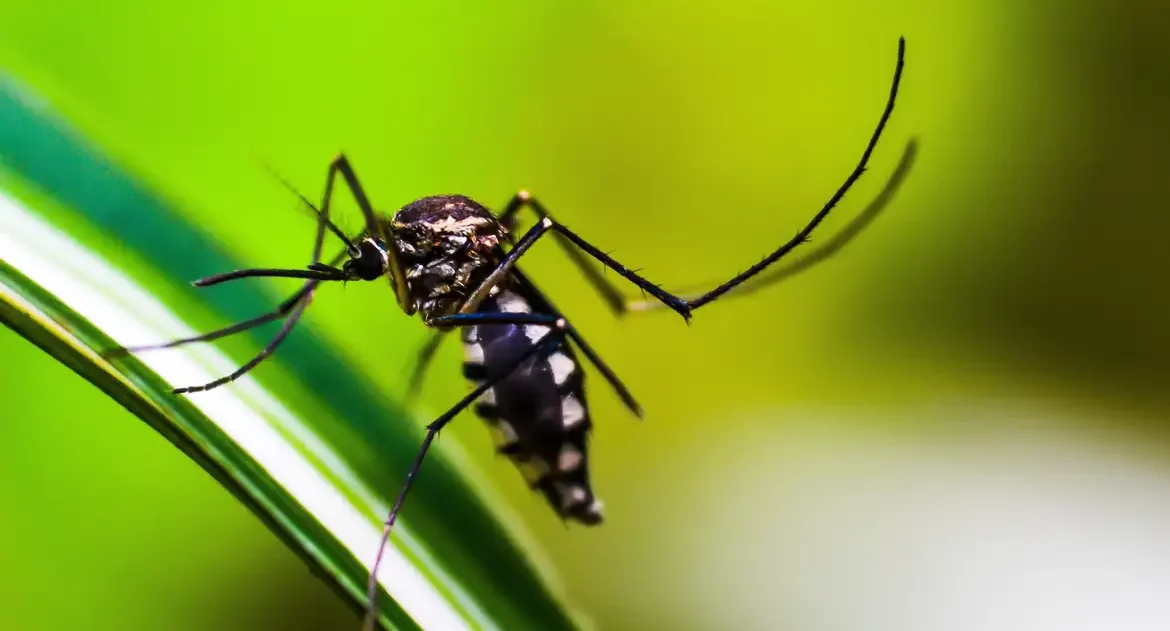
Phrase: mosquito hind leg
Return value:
(427, 352)
(555, 331)
(823, 251)
(682, 306)
(557, 320)
(587, 350)
(802, 236)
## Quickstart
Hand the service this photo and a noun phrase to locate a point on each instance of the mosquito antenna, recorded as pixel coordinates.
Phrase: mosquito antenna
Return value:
(337, 232)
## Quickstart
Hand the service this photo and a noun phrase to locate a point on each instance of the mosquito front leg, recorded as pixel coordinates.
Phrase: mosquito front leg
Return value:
(374, 229)
(280, 312)
(262, 355)
(290, 310)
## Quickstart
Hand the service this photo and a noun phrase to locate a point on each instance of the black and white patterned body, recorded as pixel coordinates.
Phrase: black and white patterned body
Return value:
(538, 413)
(448, 244)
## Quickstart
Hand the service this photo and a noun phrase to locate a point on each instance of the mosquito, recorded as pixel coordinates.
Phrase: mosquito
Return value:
(453, 262)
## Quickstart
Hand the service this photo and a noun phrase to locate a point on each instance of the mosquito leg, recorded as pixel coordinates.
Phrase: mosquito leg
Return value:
(291, 309)
(296, 307)
(276, 314)
(426, 354)
(608, 291)
(421, 364)
(467, 319)
(504, 267)
(620, 388)
(496, 317)
(802, 236)
(508, 264)
(374, 228)
(682, 306)
(614, 382)
(555, 331)
(289, 323)
(823, 251)
(546, 224)
(316, 270)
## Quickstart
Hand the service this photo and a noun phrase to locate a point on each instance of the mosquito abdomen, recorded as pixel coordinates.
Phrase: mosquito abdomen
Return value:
(538, 413)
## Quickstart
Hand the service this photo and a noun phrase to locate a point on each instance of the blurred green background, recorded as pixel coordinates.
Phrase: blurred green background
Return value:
(957, 423)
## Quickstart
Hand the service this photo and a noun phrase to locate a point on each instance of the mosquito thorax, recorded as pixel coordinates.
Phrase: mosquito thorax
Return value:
(446, 244)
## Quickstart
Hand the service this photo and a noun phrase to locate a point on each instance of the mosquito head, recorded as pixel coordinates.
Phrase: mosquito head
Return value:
(445, 243)
(369, 262)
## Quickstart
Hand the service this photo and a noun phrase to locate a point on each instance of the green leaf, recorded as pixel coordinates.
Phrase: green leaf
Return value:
(316, 457)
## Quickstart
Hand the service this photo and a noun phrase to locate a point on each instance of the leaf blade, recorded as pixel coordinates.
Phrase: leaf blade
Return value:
(457, 535)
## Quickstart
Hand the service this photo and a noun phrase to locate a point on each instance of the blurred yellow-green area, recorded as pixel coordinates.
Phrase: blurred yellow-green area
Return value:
(959, 422)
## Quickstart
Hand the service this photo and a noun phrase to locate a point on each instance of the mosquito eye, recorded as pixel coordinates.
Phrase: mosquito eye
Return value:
(374, 249)
(371, 262)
